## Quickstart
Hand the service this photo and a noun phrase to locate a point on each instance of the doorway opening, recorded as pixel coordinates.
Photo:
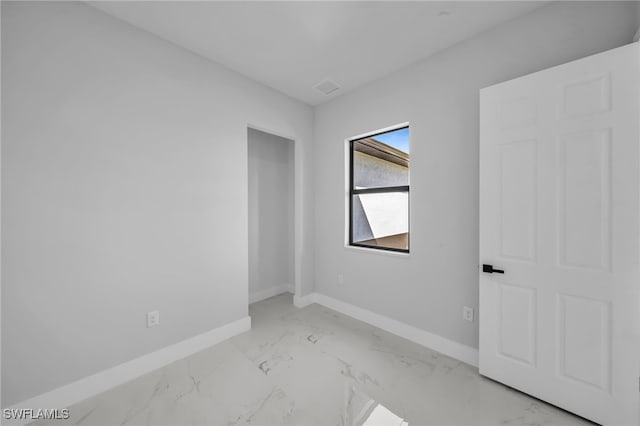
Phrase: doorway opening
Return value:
(271, 215)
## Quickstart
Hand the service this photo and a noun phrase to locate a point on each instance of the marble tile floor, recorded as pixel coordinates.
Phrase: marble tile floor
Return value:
(314, 366)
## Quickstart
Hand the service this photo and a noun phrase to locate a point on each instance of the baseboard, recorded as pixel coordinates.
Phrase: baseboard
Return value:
(302, 301)
(269, 292)
(92, 385)
(448, 347)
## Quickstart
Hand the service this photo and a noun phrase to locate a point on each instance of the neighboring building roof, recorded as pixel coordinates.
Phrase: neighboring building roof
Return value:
(378, 149)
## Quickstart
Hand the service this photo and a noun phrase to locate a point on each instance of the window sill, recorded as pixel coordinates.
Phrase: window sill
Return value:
(377, 251)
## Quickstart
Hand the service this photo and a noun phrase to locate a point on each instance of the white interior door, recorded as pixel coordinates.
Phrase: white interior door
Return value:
(559, 213)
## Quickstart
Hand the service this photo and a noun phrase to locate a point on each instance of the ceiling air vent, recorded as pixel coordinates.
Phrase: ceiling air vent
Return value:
(327, 87)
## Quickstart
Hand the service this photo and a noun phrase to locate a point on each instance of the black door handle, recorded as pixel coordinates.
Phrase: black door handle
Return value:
(490, 270)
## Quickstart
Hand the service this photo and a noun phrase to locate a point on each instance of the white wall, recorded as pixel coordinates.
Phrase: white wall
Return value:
(124, 190)
(271, 214)
(439, 98)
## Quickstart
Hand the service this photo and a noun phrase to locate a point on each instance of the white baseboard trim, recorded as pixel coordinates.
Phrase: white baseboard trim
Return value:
(89, 386)
(269, 292)
(302, 301)
(448, 347)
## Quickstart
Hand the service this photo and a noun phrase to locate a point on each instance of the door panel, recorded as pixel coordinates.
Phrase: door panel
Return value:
(586, 96)
(518, 200)
(559, 212)
(584, 341)
(584, 199)
(517, 324)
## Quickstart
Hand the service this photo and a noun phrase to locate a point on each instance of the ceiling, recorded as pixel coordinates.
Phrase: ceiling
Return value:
(293, 46)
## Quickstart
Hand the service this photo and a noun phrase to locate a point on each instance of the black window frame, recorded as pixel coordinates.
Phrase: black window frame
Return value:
(380, 190)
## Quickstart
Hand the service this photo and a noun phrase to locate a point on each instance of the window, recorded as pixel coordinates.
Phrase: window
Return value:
(379, 191)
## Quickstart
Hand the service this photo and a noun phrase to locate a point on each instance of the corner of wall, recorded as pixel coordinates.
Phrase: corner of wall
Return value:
(636, 38)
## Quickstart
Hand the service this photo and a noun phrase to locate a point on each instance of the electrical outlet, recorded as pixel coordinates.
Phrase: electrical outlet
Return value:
(467, 314)
(340, 278)
(153, 318)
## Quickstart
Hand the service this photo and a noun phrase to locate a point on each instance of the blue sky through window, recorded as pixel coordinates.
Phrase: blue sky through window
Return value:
(399, 139)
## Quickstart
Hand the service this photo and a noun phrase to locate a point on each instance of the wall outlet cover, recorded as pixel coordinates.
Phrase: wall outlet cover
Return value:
(153, 318)
(467, 314)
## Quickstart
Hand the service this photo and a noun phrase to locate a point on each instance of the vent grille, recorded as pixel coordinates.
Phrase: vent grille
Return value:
(327, 87)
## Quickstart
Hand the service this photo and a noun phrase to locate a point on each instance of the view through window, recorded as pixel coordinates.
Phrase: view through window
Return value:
(379, 191)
